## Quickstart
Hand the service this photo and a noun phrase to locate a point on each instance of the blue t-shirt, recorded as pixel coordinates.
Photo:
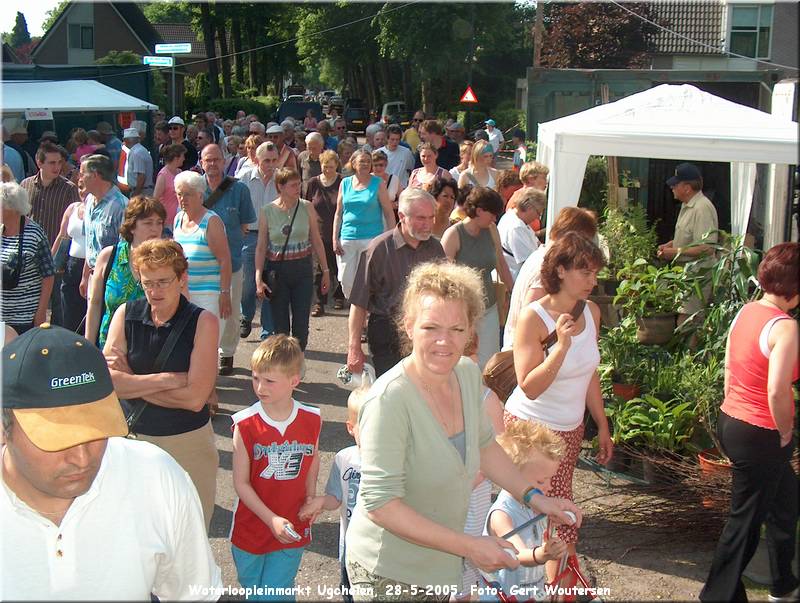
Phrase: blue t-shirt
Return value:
(331, 143)
(235, 208)
(13, 160)
(362, 216)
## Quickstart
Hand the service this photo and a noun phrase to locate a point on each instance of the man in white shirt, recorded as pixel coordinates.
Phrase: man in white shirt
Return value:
(138, 165)
(401, 159)
(495, 136)
(516, 236)
(87, 514)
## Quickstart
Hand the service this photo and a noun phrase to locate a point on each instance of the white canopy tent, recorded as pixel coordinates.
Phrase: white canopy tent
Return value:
(670, 122)
(70, 95)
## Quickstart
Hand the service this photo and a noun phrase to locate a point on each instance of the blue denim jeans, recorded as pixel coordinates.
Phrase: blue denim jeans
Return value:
(293, 295)
(249, 286)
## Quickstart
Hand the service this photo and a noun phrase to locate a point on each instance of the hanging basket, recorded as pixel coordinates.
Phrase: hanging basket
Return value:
(656, 330)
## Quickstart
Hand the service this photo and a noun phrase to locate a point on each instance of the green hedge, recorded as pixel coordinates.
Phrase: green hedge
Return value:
(228, 107)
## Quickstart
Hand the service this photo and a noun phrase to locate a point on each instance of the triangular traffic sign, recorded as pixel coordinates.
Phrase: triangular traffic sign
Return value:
(469, 96)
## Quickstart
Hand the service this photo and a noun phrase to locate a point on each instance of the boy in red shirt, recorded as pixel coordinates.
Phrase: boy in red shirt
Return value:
(275, 467)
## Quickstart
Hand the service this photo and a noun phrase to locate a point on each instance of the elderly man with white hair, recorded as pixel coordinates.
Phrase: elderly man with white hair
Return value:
(27, 264)
(138, 178)
(370, 132)
(256, 127)
(381, 277)
(308, 160)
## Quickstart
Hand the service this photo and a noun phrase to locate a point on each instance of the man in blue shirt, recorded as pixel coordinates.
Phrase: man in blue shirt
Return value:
(13, 160)
(235, 207)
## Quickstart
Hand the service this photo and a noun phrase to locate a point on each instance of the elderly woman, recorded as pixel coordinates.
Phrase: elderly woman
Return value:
(429, 171)
(557, 386)
(363, 211)
(474, 242)
(756, 432)
(288, 234)
(481, 172)
(322, 191)
(516, 235)
(27, 262)
(445, 191)
(113, 281)
(164, 190)
(165, 399)
(424, 436)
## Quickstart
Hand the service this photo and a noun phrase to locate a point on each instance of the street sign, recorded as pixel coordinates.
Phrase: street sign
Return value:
(158, 61)
(469, 96)
(181, 48)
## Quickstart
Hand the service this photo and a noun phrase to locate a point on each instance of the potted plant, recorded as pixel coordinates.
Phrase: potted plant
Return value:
(652, 296)
(622, 359)
(625, 237)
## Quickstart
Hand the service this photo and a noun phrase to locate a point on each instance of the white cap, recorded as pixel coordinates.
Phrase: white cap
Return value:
(130, 133)
(274, 130)
(176, 120)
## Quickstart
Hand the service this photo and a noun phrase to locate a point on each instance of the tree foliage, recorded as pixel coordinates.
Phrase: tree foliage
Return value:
(597, 35)
(19, 34)
(53, 14)
(120, 57)
(168, 12)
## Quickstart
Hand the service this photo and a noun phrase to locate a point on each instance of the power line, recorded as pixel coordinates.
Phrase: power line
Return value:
(264, 47)
(698, 42)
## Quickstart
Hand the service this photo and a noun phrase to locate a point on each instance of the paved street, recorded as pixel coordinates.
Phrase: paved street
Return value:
(325, 354)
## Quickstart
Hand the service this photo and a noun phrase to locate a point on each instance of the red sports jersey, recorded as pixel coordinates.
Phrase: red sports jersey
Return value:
(281, 454)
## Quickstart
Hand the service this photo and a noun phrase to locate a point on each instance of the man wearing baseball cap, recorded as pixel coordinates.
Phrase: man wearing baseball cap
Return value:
(177, 134)
(138, 166)
(495, 136)
(88, 514)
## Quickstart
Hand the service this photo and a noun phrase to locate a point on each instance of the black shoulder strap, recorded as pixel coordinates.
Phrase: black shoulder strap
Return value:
(226, 183)
(577, 310)
(109, 265)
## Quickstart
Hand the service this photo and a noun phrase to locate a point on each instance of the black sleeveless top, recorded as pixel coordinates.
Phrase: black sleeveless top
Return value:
(144, 342)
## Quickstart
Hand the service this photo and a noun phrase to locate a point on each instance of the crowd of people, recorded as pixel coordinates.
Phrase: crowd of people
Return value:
(155, 262)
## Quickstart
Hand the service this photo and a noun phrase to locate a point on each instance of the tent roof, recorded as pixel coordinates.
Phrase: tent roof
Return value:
(675, 121)
(69, 95)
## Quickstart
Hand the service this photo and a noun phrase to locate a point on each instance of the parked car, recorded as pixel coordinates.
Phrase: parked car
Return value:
(394, 112)
(336, 102)
(297, 111)
(355, 103)
(295, 98)
(356, 119)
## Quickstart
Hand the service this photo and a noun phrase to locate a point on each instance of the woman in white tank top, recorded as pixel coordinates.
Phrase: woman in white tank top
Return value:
(73, 304)
(556, 387)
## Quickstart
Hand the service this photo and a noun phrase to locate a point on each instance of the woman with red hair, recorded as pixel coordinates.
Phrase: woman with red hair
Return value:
(755, 430)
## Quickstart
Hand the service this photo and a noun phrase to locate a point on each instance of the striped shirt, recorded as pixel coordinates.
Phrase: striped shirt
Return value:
(19, 305)
(102, 220)
(49, 202)
(204, 268)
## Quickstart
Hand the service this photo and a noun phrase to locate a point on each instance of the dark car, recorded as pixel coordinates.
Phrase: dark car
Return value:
(355, 103)
(356, 119)
(298, 111)
(336, 102)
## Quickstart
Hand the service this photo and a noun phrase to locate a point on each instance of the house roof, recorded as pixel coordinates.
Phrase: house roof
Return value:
(130, 14)
(700, 20)
(9, 56)
(183, 32)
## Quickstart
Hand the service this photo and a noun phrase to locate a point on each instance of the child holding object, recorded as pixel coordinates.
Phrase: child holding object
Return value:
(342, 487)
(536, 450)
(275, 468)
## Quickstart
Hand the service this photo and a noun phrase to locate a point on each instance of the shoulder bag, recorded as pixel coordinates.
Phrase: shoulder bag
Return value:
(12, 270)
(177, 330)
(223, 187)
(271, 276)
(499, 374)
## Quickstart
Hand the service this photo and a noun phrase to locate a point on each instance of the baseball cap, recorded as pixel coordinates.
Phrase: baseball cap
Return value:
(176, 120)
(684, 172)
(49, 135)
(276, 129)
(130, 133)
(490, 122)
(58, 386)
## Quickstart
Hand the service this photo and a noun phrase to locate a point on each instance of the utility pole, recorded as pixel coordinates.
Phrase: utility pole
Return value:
(538, 31)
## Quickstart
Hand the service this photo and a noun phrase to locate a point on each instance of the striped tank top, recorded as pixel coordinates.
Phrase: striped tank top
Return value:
(204, 267)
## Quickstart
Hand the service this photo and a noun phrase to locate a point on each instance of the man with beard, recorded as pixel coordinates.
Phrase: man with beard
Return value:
(73, 484)
(381, 277)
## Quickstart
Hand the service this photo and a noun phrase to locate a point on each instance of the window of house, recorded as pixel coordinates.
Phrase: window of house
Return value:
(751, 29)
(81, 36)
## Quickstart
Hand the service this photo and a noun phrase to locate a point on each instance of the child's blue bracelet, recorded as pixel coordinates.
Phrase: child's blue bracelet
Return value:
(528, 495)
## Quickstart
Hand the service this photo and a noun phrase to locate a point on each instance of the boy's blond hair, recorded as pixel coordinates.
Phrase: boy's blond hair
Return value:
(522, 438)
(355, 401)
(279, 352)
(531, 169)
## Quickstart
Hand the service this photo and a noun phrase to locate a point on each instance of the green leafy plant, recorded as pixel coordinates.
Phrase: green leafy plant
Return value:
(649, 291)
(594, 192)
(628, 238)
(652, 424)
(622, 356)
(626, 180)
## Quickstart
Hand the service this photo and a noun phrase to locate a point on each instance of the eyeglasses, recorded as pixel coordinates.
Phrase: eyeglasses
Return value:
(161, 283)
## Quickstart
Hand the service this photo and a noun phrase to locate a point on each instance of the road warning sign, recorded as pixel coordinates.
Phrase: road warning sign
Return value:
(469, 96)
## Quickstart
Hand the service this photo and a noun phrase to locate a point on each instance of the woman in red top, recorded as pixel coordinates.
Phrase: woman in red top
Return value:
(756, 432)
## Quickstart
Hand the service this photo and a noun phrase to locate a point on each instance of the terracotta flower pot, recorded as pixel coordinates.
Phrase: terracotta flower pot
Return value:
(713, 465)
(655, 330)
(626, 391)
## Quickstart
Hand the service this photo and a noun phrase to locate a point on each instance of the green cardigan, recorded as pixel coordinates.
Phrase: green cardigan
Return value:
(406, 454)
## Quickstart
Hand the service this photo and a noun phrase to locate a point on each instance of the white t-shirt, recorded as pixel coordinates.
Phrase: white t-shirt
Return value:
(345, 476)
(139, 162)
(401, 162)
(139, 529)
(517, 239)
(529, 277)
(495, 138)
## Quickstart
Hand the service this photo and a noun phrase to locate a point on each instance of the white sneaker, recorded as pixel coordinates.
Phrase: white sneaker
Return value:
(792, 596)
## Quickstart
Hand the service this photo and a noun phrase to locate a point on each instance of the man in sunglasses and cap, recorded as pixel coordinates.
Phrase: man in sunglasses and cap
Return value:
(87, 513)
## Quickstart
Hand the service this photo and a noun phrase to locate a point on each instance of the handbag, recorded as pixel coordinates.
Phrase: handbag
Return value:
(12, 269)
(271, 276)
(158, 365)
(499, 374)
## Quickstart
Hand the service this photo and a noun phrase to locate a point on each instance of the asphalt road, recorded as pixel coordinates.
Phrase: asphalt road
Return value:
(326, 352)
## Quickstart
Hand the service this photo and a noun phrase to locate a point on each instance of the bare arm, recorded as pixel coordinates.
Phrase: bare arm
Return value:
(355, 326)
(317, 246)
(386, 206)
(158, 190)
(261, 253)
(451, 243)
(94, 308)
(337, 222)
(62, 230)
(535, 373)
(595, 404)
(782, 360)
(44, 299)
(313, 474)
(501, 264)
(218, 244)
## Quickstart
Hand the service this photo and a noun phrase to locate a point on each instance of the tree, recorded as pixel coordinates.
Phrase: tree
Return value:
(158, 90)
(19, 35)
(53, 14)
(591, 35)
(207, 23)
(168, 12)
